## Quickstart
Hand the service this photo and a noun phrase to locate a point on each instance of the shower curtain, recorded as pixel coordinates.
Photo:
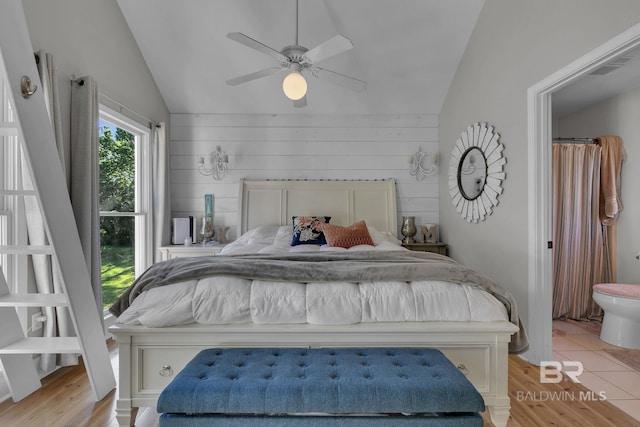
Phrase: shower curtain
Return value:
(579, 251)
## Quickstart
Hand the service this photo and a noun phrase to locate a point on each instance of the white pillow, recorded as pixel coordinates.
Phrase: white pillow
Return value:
(284, 236)
(251, 241)
(263, 235)
(382, 236)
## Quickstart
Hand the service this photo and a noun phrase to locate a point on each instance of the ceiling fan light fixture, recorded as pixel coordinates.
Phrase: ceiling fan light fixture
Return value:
(294, 59)
(294, 86)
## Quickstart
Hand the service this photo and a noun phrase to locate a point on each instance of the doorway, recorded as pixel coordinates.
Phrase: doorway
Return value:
(539, 136)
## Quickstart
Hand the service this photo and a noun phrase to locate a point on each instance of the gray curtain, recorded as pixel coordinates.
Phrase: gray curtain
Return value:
(160, 191)
(48, 78)
(83, 170)
(45, 272)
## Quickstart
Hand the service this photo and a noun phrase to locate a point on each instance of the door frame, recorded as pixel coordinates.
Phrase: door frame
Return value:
(539, 135)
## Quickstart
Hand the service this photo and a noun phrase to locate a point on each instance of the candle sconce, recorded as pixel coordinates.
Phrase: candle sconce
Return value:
(418, 168)
(219, 164)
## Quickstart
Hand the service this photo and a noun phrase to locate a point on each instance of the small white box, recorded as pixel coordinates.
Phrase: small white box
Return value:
(180, 230)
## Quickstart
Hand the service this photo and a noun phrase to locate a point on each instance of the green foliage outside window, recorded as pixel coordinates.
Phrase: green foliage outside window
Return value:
(117, 189)
(116, 193)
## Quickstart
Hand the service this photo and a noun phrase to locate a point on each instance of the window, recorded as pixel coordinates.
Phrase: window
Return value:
(125, 202)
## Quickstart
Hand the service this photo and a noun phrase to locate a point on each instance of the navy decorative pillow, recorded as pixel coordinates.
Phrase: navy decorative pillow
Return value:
(307, 230)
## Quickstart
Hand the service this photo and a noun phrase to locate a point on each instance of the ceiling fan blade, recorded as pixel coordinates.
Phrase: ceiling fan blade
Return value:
(331, 47)
(339, 79)
(254, 44)
(302, 102)
(252, 76)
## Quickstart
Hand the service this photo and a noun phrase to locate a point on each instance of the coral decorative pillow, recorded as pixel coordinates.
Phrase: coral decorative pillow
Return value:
(307, 230)
(346, 237)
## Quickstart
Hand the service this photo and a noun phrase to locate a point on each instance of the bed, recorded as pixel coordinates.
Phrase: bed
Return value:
(322, 306)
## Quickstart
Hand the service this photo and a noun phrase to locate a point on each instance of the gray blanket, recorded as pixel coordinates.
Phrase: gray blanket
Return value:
(325, 267)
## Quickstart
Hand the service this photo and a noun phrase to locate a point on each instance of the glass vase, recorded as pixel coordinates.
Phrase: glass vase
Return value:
(408, 228)
(206, 229)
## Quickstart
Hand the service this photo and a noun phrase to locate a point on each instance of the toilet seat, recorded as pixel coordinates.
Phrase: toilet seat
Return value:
(618, 290)
(621, 306)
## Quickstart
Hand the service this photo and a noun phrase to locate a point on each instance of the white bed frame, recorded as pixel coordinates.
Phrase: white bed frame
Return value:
(150, 357)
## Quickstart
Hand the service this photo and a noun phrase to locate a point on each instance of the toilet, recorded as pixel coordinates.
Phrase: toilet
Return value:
(621, 305)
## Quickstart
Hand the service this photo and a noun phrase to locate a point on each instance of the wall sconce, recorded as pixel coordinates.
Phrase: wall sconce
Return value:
(219, 164)
(417, 167)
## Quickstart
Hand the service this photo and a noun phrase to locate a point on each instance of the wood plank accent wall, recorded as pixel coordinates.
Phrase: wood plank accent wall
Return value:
(295, 146)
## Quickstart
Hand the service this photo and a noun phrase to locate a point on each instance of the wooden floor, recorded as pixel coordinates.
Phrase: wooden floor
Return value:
(65, 400)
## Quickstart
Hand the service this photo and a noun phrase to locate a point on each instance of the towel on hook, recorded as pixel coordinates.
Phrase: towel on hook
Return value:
(613, 155)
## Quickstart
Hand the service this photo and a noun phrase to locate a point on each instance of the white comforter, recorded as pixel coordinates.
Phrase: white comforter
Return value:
(223, 300)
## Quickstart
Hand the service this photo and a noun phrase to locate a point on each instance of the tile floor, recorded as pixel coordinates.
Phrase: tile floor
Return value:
(602, 372)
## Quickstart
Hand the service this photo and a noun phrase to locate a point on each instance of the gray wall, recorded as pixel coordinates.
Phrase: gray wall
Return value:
(515, 44)
(618, 116)
(91, 37)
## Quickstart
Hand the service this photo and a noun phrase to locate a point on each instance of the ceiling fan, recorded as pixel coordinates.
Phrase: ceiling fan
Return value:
(296, 60)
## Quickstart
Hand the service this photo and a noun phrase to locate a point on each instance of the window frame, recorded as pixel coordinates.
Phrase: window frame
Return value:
(143, 239)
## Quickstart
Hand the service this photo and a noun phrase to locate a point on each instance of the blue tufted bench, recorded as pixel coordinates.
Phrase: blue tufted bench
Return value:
(320, 387)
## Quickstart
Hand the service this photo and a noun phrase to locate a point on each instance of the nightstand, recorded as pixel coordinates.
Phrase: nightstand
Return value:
(179, 251)
(439, 248)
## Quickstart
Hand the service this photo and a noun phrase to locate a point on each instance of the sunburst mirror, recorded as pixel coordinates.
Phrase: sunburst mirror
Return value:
(476, 172)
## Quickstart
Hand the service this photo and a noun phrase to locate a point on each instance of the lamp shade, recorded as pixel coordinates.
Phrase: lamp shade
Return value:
(294, 86)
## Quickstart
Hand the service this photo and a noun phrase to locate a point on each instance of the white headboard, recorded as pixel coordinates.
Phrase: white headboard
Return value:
(275, 202)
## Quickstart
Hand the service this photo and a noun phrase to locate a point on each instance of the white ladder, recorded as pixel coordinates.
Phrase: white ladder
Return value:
(33, 129)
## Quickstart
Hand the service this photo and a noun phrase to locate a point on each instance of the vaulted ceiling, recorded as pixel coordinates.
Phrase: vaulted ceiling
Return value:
(406, 50)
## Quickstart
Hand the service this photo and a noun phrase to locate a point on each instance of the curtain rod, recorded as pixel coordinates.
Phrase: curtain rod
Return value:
(124, 107)
(121, 106)
(78, 80)
(584, 140)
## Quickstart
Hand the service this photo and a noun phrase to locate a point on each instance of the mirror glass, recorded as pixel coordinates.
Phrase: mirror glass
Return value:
(472, 173)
